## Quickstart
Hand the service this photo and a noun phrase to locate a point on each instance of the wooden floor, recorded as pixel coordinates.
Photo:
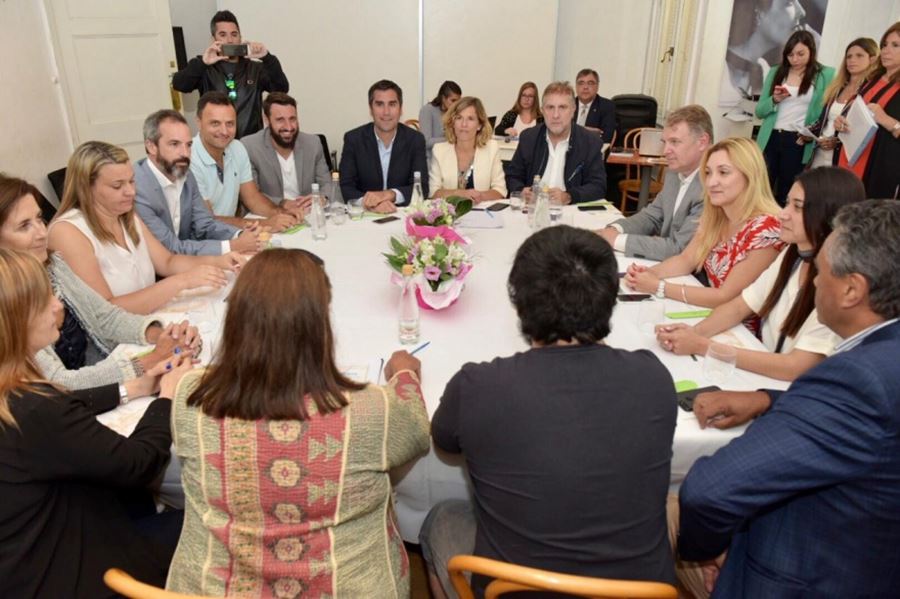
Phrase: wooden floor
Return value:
(418, 577)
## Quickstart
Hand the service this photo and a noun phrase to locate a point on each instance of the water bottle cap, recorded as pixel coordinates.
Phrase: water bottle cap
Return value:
(315, 188)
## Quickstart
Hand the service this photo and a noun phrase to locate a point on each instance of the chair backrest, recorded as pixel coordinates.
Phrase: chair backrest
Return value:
(414, 123)
(634, 110)
(58, 181)
(122, 583)
(509, 578)
(324, 141)
(48, 210)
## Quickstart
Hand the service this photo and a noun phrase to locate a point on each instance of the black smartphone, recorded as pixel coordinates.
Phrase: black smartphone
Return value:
(589, 208)
(497, 207)
(235, 50)
(633, 297)
(386, 219)
(686, 398)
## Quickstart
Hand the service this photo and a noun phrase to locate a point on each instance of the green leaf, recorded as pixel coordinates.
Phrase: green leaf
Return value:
(396, 262)
(440, 253)
(462, 205)
(398, 246)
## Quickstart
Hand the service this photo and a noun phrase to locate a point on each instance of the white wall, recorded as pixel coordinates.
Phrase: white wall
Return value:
(193, 17)
(608, 36)
(845, 20)
(35, 135)
(489, 48)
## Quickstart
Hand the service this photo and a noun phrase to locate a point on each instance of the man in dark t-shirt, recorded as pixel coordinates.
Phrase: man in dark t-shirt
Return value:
(568, 445)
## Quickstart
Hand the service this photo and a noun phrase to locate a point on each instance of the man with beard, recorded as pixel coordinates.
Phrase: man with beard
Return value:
(285, 161)
(168, 199)
(222, 168)
(567, 157)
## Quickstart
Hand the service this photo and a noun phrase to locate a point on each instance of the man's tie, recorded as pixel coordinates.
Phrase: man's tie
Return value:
(582, 115)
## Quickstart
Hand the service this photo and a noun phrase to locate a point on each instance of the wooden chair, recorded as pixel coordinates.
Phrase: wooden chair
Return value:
(122, 583)
(510, 578)
(414, 123)
(630, 186)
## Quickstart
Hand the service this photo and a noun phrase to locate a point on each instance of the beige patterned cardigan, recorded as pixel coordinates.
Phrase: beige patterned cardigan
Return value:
(296, 508)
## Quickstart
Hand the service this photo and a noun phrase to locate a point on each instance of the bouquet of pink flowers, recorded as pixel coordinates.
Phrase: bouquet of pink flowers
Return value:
(435, 261)
(439, 211)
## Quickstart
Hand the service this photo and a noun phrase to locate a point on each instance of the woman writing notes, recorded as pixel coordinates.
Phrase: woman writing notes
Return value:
(524, 114)
(737, 238)
(468, 163)
(313, 514)
(90, 327)
(105, 243)
(878, 164)
(783, 296)
(791, 98)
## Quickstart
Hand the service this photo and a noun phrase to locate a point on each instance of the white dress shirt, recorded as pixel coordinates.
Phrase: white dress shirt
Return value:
(554, 173)
(288, 176)
(172, 192)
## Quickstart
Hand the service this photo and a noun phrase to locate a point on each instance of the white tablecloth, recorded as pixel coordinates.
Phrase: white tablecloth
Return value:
(479, 327)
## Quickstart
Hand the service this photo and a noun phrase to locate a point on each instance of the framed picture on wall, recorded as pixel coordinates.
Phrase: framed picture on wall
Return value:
(759, 30)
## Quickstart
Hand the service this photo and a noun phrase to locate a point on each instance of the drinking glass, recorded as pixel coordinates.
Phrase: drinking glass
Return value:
(515, 200)
(338, 214)
(356, 209)
(719, 363)
(651, 314)
(556, 211)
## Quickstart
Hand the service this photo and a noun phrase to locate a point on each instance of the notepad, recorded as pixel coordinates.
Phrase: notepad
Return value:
(294, 229)
(702, 313)
(685, 385)
(596, 203)
(862, 127)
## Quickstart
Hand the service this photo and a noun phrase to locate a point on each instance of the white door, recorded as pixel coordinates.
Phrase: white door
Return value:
(115, 61)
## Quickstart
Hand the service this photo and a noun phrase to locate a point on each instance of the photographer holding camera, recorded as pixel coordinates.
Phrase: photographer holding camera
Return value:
(242, 70)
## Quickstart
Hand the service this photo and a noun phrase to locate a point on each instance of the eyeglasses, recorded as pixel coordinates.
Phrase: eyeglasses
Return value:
(230, 84)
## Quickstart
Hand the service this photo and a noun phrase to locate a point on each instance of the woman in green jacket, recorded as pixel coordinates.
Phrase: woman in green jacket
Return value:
(791, 98)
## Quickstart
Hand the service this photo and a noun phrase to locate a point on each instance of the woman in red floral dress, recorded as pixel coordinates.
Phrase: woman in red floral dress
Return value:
(738, 235)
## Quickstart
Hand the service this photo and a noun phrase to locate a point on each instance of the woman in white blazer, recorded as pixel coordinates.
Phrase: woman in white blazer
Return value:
(468, 163)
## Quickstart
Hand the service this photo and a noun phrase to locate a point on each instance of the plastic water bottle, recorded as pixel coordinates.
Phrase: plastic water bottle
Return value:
(317, 215)
(409, 308)
(417, 196)
(336, 201)
(542, 209)
(528, 207)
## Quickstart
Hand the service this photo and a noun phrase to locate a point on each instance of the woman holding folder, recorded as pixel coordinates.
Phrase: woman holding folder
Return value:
(877, 164)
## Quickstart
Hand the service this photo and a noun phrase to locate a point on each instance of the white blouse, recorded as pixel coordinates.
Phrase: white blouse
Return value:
(813, 336)
(127, 269)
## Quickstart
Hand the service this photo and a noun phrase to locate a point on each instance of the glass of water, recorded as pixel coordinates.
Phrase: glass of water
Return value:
(651, 314)
(338, 214)
(356, 209)
(556, 211)
(719, 363)
(515, 200)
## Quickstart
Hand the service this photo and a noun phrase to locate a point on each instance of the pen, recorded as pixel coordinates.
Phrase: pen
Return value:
(575, 172)
(421, 347)
(693, 357)
(380, 370)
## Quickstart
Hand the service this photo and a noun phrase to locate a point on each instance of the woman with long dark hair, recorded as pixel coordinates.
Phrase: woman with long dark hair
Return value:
(284, 459)
(783, 296)
(431, 116)
(791, 98)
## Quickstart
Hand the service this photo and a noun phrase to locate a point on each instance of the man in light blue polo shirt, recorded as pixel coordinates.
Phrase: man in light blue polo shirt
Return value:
(221, 166)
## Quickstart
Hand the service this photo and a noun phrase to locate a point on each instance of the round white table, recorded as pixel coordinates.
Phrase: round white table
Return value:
(480, 326)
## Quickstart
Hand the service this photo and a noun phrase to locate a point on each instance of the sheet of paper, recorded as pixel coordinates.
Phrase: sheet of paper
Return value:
(862, 127)
(481, 219)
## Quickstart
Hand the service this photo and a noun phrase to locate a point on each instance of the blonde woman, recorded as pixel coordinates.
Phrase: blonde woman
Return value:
(738, 235)
(98, 234)
(860, 59)
(468, 163)
(62, 521)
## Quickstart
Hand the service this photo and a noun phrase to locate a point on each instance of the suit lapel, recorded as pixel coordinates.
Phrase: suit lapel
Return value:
(157, 189)
(371, 148)
(298, 164)
(398, 146)
(271, 158)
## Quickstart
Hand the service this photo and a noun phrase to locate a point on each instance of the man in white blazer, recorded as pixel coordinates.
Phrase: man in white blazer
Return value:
(169, 200)
(285, 161)
(665, 226)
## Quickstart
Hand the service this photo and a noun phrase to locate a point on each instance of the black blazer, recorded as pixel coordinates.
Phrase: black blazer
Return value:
(361, 167)
(585, 172)
(62, 524)
(602, 115)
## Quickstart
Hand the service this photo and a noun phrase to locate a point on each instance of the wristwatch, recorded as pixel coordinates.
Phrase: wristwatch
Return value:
(123, 395)
(661, 289)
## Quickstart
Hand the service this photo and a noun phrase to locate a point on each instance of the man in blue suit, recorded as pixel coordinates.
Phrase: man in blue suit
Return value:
(593, 112)
(168, 199)
(379, 159)
(807, 501)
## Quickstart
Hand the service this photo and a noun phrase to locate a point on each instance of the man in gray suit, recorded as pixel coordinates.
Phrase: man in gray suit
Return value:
(285, 161)
(666, 226)
(168, 199)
